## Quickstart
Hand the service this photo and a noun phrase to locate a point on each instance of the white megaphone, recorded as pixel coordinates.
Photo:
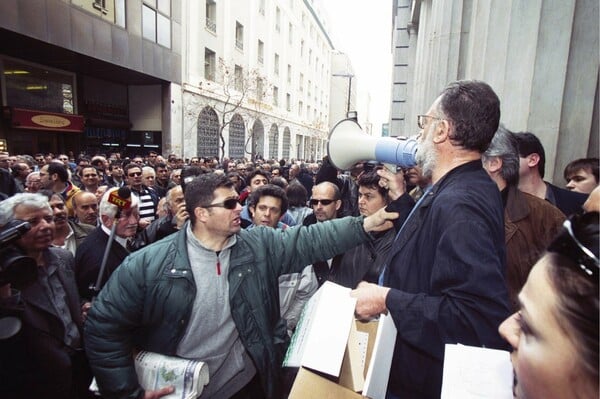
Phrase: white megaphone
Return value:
(348, 145)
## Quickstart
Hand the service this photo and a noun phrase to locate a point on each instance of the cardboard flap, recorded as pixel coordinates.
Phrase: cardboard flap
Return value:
(332, 318)
(381, 358)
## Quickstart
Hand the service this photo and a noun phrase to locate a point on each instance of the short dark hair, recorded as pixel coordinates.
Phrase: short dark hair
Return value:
(530, 144)
(58, 168)
(188, 173)
(473, 109)
(297, 195)
(371, 180)
(589, 164)
(130, 166)
(269, 190)
(160, 165)
(261, 172)
(201, 191)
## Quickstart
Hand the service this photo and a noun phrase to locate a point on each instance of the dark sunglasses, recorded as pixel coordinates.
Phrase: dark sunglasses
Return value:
(325, 202)
(134, 174)
(229, 203)
(575, 250)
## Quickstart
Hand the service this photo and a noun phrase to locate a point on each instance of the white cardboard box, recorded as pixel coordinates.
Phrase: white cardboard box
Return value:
(339, 356)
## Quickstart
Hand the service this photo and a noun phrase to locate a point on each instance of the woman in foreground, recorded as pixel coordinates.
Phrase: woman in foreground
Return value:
(555, 334)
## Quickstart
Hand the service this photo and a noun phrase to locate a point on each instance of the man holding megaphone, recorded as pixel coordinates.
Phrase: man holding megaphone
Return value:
(444, 277)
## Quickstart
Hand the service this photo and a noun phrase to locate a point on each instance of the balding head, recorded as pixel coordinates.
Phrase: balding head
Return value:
(85, 206)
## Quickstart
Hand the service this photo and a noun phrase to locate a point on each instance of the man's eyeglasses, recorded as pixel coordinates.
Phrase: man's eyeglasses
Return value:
(134, 174)
(229, 203)
(576, 251)
(325, 202)
(90, 175)
(421, 120)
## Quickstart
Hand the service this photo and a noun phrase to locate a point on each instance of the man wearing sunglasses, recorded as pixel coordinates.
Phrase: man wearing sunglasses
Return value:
(147, 197)
(210, 292)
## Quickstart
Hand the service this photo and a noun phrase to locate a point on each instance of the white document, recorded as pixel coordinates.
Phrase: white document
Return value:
(475, 373)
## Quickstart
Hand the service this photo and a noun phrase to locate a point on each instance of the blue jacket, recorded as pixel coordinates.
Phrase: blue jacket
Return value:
(148, 300)
(446, 270)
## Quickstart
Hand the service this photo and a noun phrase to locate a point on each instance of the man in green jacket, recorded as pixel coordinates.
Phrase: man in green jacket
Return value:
(210, 292)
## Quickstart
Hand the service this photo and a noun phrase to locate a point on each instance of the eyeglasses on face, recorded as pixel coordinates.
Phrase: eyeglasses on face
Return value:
(134, 174)
(421, 120)
(90, 175)
(325, 202)
(229, 203)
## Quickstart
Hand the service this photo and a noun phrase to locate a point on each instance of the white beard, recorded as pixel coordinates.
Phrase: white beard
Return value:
(426, 157)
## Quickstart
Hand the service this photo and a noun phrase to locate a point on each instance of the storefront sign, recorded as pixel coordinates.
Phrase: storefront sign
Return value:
(39, 120)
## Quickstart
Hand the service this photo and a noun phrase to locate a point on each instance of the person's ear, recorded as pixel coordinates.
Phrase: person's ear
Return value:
(494, 164)
(441, 131)
(533, 159)
(107, 221)
(338, 205)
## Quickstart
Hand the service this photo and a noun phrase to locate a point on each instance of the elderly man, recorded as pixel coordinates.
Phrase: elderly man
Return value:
(444, 280)
(45, 359)
(176, 216)
(210, 292)
(90, 253)
(530, 223)
(33, 182)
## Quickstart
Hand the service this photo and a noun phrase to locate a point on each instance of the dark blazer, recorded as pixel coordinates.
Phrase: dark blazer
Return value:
(446, 269)
(569, 202)
(89, 259)
(36, 363)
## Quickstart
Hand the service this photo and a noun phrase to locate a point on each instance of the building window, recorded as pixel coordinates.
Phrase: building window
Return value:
(261, 52)
(277, 19)
(33, 86)
(304, 20)
(301, 83)
(289, 74)
(300, 108)
(309, 57)
(290, 33)
(273, 141)
(276, 64)
(237, 132)
(260, 90)
(239, 78)
(309, 88)
(261, 7)
(301, 48)
(275, 96)
(156, 21)
(211, 16)
(239, 35)
(208, 133)
(209, 64)
(288, 102)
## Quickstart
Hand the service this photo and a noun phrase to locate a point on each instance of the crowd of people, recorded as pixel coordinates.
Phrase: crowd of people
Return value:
(215, 259)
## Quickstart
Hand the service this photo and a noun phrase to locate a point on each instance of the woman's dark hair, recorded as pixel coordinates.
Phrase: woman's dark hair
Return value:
(573, 272)
(297, 195)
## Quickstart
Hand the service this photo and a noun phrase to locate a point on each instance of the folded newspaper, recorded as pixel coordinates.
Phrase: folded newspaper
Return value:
(157, 371)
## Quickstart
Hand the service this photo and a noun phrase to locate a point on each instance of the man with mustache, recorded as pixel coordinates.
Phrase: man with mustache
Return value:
(90, 253)
(45, 359)
(67, 234)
